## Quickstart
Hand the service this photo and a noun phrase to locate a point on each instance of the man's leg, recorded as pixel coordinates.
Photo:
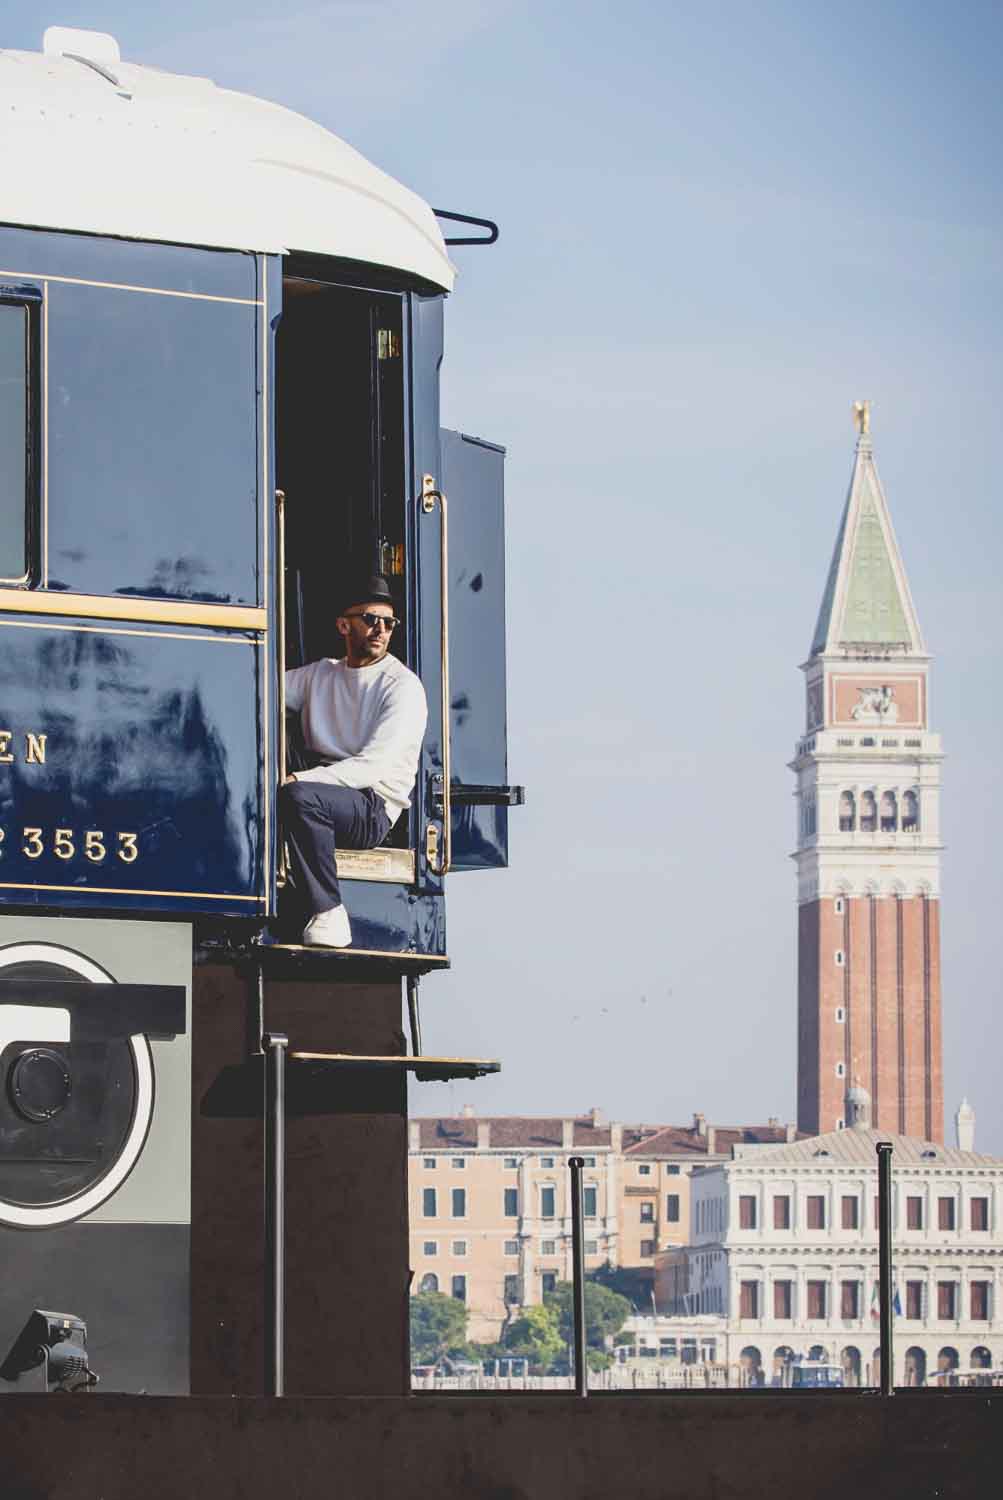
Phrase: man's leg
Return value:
(317, 819)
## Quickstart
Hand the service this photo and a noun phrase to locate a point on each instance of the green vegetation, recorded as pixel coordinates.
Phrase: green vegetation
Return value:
(438, 1327)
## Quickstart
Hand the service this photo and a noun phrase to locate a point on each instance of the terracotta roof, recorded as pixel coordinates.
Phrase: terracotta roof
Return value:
(446, 1133)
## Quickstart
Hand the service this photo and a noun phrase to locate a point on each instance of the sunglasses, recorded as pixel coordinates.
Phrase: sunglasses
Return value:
(389, 622)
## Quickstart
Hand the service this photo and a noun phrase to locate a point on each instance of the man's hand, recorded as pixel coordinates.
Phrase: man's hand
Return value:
(286, 779)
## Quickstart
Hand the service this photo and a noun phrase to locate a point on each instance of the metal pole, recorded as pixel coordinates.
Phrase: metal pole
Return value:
(884, 1150)
(575, 1164)
(414, 1014)
(275, 1045)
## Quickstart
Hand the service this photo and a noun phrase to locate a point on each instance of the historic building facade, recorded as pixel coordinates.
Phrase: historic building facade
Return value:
(868, 838)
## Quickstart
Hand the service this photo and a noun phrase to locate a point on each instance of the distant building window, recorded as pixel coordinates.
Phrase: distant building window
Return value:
(748, 1299)
(838, 906)
(816, 1291)
(647, 1248)
(782, 1211)
(511, 1203)
(889, 813)
(548, 1247)
(548, 1282)
(783, 1299)
(511, 1291)
(841, 1070)
(511, 1247)
(945, 1213)
(910, 813)
(459, 1203)
(644, 1170)
(589, 1161)
(591, 1247)
(511, 1162)
(428, 1203)
(672, 1170)
(840, 958)
(913, 1213)
(589, 1203)
(815, 1215)
(430, 1247)
(979, 1300)
(747, 1211)
(850, 1212)
(459, 1247)
(460, 1288)
(979, 1213)
(847, 824)
(849, 1299)
(428, 1162)
(546, 1161)
(840, 1015)
(672, 1208)
(429, 1282)
(548, 1202)
(914, 1299)
(459, 1162)
(647, 1213)
(947, 1299)
(868, 811)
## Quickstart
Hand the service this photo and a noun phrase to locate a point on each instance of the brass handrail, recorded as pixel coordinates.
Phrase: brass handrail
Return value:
(429, 495)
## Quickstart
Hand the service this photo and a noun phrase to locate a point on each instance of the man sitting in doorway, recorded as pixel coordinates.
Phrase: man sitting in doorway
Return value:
(363, 719)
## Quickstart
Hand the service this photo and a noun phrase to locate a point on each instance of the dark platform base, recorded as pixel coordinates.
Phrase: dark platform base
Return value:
(820, 1445)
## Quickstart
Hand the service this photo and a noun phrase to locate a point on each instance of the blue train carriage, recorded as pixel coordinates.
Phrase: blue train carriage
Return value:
(220, 338)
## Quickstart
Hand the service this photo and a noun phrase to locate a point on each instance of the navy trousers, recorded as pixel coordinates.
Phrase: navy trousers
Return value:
(317, 819)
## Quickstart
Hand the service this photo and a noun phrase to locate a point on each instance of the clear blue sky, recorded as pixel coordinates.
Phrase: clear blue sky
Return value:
(720, 225)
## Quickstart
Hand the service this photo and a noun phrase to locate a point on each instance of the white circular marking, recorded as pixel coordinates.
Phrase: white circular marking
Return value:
(51, 1214)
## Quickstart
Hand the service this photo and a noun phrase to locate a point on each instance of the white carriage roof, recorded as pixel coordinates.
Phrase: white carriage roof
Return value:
(101, 146)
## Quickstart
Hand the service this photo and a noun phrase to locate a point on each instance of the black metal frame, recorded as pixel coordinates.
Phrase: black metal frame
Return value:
(488, 224)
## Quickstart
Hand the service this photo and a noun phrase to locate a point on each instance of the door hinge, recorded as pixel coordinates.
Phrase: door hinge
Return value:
(432, 845)
(388, 344)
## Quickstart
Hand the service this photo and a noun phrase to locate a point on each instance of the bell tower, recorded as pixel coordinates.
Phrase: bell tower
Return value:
(868, 837)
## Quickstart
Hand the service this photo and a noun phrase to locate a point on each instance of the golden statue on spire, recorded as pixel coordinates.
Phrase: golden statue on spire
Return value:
(862, 417)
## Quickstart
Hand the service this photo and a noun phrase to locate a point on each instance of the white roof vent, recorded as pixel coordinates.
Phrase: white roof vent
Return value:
(96, 46)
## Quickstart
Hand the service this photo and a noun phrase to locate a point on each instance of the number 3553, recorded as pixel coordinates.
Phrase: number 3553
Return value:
(65, 843)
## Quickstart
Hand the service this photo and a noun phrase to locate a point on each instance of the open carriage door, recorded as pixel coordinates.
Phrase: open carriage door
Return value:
(473, 482)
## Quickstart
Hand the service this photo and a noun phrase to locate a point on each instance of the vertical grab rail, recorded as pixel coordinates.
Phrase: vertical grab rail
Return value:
(429, 495)
(575, 1165)
(274, 1045)
(884, 1150)
(280, 662)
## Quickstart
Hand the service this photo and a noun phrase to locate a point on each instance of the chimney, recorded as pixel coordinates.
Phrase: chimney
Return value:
(567, 1134)
(773, 1122)
(616, 1138)
(468, 1112)
(414, 1135)
(598, 1118)
(700, 1124)
(711, 1139)
(791, 1132)
(483, 1135)
(964, 1126)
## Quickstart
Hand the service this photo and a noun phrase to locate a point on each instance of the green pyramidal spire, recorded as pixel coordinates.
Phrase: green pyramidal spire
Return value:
(866, 602)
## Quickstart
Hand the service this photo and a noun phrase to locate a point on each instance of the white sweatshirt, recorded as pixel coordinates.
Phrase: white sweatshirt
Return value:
(370, 721)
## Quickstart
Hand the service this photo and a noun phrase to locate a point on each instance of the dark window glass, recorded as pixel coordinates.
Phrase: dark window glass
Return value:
(511, 1290)
(549, 1281)
(672, 1208)
(428, 1202)
(460, 1288)
(589, 1202)
(980, 1213)
(782, 1212)
(547, 1206)
(816, 1299)
(511, 1203)
(782, 1299)
(13, 440)
(647, 1213)
(459, 1203)
(747, 1211)
(849, 1297)
(913, 1213)
(647, 1247)
(816, 1211)
(914, 1299)
(945, 1213)
(154, 445)
(980, 1299)
(851, 1214)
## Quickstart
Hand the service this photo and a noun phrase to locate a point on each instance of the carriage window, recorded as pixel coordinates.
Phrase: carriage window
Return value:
(14, 452)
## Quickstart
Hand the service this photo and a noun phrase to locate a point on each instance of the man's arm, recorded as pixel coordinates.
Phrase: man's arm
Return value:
(297, 684)
(397, 733)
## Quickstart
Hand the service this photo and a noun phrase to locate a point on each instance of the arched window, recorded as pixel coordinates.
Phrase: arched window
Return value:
(889, 813)
(910, 813)
(868, 813)
(850, 1360)
(816, 1352)
(947, 1363)
(751, 1362)
(981, 1358)
(847, 813)
(915, 1366)
(429, 1282)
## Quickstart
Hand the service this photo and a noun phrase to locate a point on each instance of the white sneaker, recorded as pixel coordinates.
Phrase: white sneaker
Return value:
(328, 929)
